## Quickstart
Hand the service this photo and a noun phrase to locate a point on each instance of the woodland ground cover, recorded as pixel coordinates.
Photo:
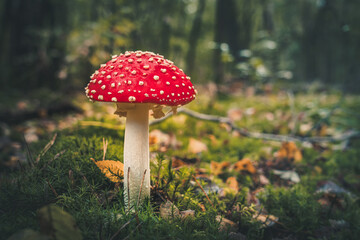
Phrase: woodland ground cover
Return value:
(231, 183)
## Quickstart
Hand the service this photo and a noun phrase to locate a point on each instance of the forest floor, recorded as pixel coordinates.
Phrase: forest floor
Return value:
(278, 165)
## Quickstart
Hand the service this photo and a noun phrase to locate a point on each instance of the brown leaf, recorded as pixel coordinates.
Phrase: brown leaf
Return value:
(226, 224)
(169, 210)
(235, 114)
(263, 180)
(113, 170)
(245, 165)
(233, 183)
(267, 220)
(218, 168)
(183, 161)
(289, 151)
(187, 213)
(196, 146)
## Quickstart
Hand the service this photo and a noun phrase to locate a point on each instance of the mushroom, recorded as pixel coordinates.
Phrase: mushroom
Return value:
(138, 82)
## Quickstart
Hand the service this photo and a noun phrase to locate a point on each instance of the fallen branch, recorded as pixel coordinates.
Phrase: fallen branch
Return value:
(265, 136)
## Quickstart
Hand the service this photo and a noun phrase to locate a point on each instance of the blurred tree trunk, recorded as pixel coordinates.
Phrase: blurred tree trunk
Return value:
(226, 31)
(195, 34)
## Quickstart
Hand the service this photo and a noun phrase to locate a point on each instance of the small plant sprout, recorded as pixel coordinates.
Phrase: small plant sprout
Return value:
(138, 82)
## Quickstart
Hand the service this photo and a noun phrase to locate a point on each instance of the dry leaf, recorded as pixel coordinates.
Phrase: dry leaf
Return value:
(289, 151)
(196, 146)
(288, 175)
(235, 114)
(218, 168)
(267, 220)
(113, 170)
(187, 213)
(226, 224)
(233, 183)
(169, 210)
(245, 165)
(180, 162)
(263, 180)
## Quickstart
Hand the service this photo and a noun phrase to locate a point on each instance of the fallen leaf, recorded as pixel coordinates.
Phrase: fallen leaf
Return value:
(187, 213)
(57, 223)
(218, 168)
(180, 162)
(196, 146)
(245, 165)
(287, 175)
(263, 180)
(234, 114)
(113, 170)
(267, 220)
(233, 183)
(226, 224)
(158, 137)
(169, 210)
(289, 151)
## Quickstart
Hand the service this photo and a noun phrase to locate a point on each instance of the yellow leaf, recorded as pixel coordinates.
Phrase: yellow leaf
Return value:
(218, 168)
(233, 183)
(245, 165)
(289, 151)
(113, 170)
(195, 146)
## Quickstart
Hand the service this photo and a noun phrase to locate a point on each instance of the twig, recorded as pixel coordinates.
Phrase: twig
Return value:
(122, 227)
(31, 160)
(105, 144)
(128, 189)
(265, 136)
(52, 189)
(203, 191)
(127, 237)
(142, 182)
(46, 148)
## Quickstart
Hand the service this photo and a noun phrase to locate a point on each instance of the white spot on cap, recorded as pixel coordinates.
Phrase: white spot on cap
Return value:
(103, 87)
(156, 78)
(114, 99)
(146, 95)
(178, 94)
(102, 65)
(109, 93)
(177, 85)
(172, 94)
(146, 66)
(167, 83)
(173, 77)
(139, 60)
(133, 72)
(183, 84)
(96, 72)
(113, 60)
(189, 87)
(120, 66)
(151, 59)
(93, 91)
(138, 55)
(108, 76)
(103, 72)
(115, 73)
(174, 68)
(130, 60)
(87, 91)
(127, 54)
(113, 56)
(100, 81)
(152, 90)
(119, 84)
(163, 70)
(132, 99)
(141, 83)
(121, 91)
(121, 75)
(187, 77)
(101, 97)
(129, 82)
(161, 92)
(154, 95)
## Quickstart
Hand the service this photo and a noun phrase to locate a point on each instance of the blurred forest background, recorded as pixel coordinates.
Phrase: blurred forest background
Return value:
(56, 44)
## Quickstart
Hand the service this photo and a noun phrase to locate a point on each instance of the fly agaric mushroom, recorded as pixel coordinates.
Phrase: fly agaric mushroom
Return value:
(138, 82)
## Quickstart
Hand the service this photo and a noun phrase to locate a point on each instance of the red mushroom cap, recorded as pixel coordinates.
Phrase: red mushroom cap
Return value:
(140, 77)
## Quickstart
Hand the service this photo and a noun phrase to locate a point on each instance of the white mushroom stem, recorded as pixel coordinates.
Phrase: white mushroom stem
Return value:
(136, 154)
